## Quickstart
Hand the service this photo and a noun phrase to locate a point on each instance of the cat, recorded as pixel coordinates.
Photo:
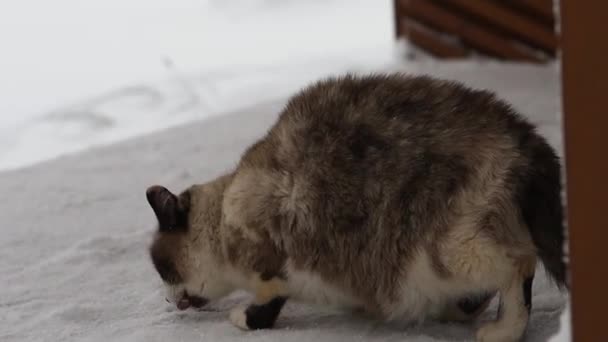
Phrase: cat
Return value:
(406, 197)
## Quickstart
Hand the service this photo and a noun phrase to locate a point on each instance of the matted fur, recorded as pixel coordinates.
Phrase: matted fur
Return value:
(391, 193)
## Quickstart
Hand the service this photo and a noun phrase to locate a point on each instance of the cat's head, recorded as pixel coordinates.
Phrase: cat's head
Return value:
(182, 250)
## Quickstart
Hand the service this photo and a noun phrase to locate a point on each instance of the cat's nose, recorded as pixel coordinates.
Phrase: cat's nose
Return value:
(191, 301)
(183, 304)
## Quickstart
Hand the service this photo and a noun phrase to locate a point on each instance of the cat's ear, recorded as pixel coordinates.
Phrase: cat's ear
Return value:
(166, 206)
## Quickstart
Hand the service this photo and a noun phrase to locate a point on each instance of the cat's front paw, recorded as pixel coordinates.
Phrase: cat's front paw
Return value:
(238, 317)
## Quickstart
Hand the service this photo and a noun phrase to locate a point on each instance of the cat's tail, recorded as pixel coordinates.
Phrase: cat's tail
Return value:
(541, 207)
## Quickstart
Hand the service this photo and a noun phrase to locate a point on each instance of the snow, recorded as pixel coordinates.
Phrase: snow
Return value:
(73, 258)
(77, 74)
(565, 331)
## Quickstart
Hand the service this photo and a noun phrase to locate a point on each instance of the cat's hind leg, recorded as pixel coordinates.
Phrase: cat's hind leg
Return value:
(516, 303)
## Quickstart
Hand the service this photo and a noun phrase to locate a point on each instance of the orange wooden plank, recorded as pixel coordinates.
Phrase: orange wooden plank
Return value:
(431, 41)
(471, 33)
(543, 8)
(523, 27)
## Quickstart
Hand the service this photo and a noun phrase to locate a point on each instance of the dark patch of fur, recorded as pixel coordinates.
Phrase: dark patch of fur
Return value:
(166, 268)
(196, 301)
(365, 142)
(539, 199)
(171, 211)
(527, 289)
(471, 304)
(165, 253)
(264, 316)
(268, 275)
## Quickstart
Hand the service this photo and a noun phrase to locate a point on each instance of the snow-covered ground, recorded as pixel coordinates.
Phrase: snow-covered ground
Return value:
(73, 258)
(74, 73)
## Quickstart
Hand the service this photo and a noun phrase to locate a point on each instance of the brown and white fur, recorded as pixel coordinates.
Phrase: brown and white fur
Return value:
(406, 197)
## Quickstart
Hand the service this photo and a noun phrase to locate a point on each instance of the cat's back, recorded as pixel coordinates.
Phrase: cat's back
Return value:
(365, 119)
(347, 144)
(354, 151)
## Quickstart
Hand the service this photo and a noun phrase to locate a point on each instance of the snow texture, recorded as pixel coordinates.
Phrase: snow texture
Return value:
(75, 231)
(565, 329)
(79, 73)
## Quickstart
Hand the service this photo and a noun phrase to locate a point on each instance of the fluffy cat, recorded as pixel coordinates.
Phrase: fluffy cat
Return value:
(406, 197)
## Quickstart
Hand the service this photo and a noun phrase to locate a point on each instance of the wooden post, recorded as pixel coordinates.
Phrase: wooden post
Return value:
(584, 28)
